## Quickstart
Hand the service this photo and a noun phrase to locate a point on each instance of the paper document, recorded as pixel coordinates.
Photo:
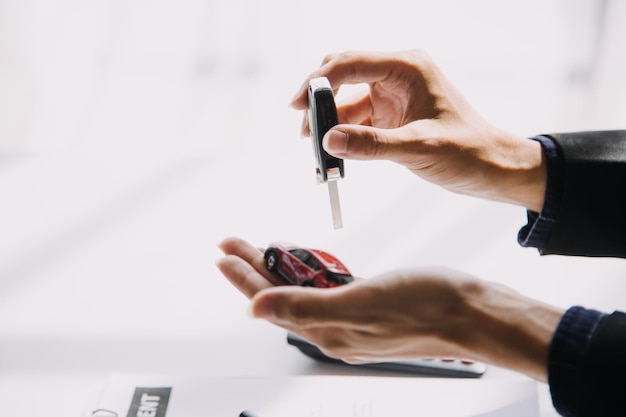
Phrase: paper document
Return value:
(314, 396)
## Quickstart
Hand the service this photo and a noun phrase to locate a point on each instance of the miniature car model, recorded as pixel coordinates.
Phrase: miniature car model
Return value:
(306, 267)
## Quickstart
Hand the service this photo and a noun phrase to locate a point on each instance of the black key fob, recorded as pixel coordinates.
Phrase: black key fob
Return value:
(323, 116)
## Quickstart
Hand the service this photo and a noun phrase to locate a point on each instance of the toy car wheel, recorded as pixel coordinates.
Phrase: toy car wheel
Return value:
(271, 261)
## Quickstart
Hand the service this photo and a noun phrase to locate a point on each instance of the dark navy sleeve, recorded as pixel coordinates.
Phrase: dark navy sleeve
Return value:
(536, 232)
(566, 356)
(583, 213)
(587, 364)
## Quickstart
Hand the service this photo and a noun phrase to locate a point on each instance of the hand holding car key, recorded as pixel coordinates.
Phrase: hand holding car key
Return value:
(323, 116)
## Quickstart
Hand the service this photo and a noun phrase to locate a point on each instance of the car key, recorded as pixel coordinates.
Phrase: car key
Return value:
(323, 116)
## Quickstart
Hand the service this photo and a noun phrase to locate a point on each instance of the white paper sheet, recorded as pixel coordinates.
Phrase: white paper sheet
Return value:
(320, 396)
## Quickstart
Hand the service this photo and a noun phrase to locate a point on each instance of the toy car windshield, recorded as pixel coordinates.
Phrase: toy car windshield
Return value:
(340, 279)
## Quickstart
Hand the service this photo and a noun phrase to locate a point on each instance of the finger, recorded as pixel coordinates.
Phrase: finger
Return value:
(353, 110)
(239, 247)
(250, 254)
(300, 100)
(365, 142)
(355, 67)
(352, 68)
(356, 109)
(244, 250)
(242, 275)
(305, 131)
(328, 58)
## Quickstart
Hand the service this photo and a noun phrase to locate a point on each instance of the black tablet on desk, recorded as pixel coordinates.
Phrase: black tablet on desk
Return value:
(451, 368)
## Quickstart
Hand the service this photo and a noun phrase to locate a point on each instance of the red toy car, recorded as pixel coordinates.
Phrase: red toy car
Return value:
(306, 267)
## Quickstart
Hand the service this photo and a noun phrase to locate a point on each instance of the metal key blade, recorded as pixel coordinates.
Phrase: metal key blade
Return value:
(335, 206)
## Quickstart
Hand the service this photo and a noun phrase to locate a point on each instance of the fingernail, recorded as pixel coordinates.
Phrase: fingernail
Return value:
(335, 141)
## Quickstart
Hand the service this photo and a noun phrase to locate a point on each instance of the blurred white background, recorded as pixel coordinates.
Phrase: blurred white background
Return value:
(135, 135)
(214, 75)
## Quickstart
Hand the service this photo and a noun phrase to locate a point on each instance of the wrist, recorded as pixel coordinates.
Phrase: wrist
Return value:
(521, 167)
(509, 330)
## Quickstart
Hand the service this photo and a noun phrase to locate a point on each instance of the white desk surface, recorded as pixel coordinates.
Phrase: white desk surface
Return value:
(108, 263)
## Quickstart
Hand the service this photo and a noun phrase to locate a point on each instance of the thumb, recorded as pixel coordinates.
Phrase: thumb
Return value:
(297, 306)
(358, 142)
